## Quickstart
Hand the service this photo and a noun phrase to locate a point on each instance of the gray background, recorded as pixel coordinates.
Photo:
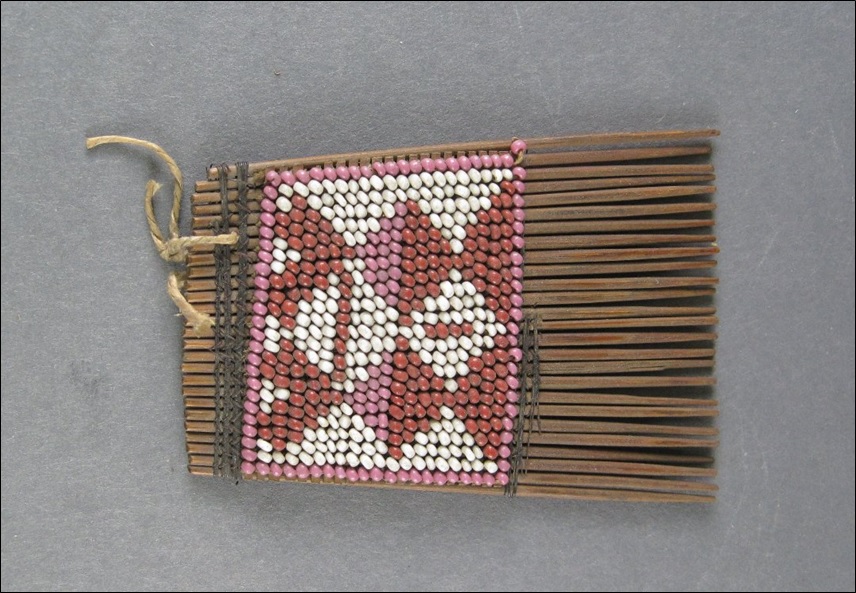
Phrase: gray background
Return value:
(94, 488)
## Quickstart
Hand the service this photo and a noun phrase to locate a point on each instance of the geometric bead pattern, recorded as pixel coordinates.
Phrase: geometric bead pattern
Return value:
(384, 340)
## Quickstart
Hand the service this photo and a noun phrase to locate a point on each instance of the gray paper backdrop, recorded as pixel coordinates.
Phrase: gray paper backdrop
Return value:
(94, 488)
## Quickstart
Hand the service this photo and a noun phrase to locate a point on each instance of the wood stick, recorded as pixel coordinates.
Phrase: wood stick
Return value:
(623, 211)
(589, 172)
(547, 159)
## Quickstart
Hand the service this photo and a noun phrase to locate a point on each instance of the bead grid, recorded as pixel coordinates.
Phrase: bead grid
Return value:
(388, 302)
(384, 340)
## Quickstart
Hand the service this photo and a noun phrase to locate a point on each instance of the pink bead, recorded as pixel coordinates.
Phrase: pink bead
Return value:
(249, 431)
(452, 477)
(507, 160)
(303, 176)
(262, 269)
(415, 476)
(359, 409)
(329, 472)
(383, 421)
(366, 171)
(502, 479)
(259, 309)
(516, 300)
(465, 478)
(391, 168)
(342, 172)
(389, 477)
(519, 186)
(517, 241)
(268, 205)
(363, 473)
(266, 232)
(382, 433)
(302, 471)
(512, 382)
(518, 146)
(261, 283)
(371, 420)
(272, 177)
(258, 322)
(248, 455)
(416, 166)
(403, 475)
(355, 172)
(516, 314)
(503, 465)
(270, 192)
(477, 479)
(266, 257)
(504, 451)
(404, 167)
(247, 468)
(512, 367)
(516, 259)
(289, 472)
(496, 159)
(453, 165)
(379, 168)
(248, 443)
(427, 477)
(488, 480)
(252, 371)
(288, 177)
(262, 469)
(439, 165)
(253, 396)
(316, 173)
(427, 165)
(507, 424)
(476, 161)
(341, 474)
(372, 408)
(315, 472)
(267, 219)
(519, 172)
(251, 408)
(352, 475)
(513, 397)
(330, 173)
(518, 202)
(254, 359)
(250, 419)
(257, 334)
(511, 410)
(265, 245)
(376, 474)
(275, 470)
(254, 383)
(465, 162)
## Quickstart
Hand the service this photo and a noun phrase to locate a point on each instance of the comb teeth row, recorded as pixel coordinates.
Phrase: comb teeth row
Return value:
(616, 275)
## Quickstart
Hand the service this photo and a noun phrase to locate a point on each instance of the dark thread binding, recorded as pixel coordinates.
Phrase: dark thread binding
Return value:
(230, 331)
(528, 413)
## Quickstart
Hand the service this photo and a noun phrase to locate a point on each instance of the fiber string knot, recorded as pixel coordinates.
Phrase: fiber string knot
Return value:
(175, 248)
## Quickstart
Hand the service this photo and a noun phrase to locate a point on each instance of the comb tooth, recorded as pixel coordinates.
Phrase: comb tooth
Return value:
(618, 278)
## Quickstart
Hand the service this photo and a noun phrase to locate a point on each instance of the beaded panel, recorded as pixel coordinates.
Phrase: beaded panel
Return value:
(386, 315)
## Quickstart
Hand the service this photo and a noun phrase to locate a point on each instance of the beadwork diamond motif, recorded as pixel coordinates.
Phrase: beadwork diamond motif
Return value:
(384, 344)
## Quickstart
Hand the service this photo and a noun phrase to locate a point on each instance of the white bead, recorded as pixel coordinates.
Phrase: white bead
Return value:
(421, 450)
(421, 438)
(390, 182)
(418, 463)
(308, 446)
(364, 184)
(405, 464)
(286, 190)
(284, 204)
(314, 201)
(408, 451)
(305, 458)
(278, 457)
(439, 179)
(352, 459)
(376, 182)
(264, 456)
(379, 445)
(301, 189)
(392, 464)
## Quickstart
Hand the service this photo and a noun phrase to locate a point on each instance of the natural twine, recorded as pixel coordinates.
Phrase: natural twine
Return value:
(175, 249)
